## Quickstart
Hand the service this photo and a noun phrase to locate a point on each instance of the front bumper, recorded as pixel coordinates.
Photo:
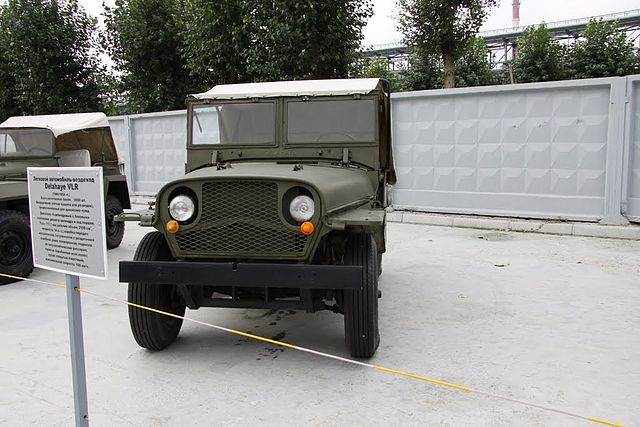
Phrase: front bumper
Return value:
(238, 274)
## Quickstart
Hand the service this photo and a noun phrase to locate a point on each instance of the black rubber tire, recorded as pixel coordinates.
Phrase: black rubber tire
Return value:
(153, 330)
(114, 230)
(362, 335)
(15, 246)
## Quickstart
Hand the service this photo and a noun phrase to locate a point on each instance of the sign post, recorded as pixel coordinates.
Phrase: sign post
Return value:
(77, 351)
(68, 236)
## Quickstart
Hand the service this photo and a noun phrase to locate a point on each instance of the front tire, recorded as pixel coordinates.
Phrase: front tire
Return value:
(362, 335)
(153, 330)
(15, 246)
(115, 230)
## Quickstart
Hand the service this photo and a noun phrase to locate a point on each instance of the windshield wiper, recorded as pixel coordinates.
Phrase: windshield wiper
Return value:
(195, 115)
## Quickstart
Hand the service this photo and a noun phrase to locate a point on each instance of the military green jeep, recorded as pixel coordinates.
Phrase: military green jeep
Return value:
(282, 207)
(48, 141)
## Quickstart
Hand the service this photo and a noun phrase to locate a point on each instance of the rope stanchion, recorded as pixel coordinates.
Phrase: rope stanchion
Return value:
(334, 357)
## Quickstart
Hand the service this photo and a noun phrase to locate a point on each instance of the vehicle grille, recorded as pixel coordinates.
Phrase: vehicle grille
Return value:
(241, 219)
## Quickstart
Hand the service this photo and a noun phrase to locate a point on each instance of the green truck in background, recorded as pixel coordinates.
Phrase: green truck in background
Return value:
(82, 139)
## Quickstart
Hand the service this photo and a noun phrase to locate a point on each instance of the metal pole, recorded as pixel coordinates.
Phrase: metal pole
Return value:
(77, 351)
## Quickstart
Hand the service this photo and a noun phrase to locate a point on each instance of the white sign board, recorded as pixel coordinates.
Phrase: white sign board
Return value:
(67, 220)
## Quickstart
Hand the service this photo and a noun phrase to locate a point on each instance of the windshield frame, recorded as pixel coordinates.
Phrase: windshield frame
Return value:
(191, 117)
(347, 143)
(27, 156)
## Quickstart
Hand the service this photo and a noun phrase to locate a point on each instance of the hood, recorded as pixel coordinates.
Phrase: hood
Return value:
(12, 190)
(338, 186)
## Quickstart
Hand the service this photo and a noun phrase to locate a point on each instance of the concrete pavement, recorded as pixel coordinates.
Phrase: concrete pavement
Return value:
(549, 319)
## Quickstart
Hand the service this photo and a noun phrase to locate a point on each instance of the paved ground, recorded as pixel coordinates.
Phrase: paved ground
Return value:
(550, 319)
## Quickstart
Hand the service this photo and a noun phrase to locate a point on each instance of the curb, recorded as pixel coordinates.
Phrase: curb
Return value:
(626, 232)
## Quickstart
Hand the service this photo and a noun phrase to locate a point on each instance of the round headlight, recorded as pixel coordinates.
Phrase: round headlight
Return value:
(181, 208)
(302, 208)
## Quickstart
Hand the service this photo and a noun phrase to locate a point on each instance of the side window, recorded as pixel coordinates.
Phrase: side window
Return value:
(7, 144)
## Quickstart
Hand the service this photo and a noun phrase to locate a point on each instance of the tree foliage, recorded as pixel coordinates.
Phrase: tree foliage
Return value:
(378, 68)
(539, 57)
(442, 27)
(474, 67)
(143, 42)
(216, 39)
(48, 56)
(232, 41)
(422, 73)
(308, 39)
(603, 50)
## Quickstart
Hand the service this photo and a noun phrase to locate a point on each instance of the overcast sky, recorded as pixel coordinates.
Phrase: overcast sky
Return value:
(382, 27)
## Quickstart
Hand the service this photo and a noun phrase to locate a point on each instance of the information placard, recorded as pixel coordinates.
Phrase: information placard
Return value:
(67, 220)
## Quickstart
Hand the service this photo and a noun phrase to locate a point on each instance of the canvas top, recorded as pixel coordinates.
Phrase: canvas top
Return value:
(58, 124)
(328, 87)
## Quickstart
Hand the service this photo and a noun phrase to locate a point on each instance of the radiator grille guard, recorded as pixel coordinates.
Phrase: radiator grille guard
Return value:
(241, 219)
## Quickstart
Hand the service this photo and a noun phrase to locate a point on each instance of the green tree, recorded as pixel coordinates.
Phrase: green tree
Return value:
(474, 68)
(8, 104)
(49, 58)
(307, 39)
(379, 68)
(603, 50)
(142, 39)
(539, 58)
(423, 72)
(442, 27)
(216, 38)
(233, 41)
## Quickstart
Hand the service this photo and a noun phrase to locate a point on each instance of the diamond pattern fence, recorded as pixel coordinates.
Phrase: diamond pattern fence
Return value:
(548, 150)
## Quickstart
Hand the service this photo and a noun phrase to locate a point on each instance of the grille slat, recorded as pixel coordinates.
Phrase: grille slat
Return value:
(240, 219)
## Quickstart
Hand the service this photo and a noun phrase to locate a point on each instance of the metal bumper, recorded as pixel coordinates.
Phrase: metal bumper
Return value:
(300, 276)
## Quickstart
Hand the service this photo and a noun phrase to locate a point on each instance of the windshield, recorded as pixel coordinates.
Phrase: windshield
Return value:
(26, 143)
(234, 124)
(331, 121)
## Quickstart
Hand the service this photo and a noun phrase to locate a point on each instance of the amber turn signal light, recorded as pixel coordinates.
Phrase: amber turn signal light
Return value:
(307, 228)
(173, 227)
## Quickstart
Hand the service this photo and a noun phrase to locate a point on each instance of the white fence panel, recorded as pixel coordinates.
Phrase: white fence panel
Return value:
(120, 131)
(158, 150)
(537, 150)
(633, 147)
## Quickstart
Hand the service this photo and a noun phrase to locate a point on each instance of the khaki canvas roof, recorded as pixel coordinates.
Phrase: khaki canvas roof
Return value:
(328, 87)
(59, 124)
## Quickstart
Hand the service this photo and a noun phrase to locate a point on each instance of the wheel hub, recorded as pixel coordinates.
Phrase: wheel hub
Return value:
(112, 226)
(12, 248)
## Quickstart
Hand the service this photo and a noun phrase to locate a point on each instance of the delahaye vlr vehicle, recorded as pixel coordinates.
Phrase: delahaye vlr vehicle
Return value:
(48, 141)
(282, 207)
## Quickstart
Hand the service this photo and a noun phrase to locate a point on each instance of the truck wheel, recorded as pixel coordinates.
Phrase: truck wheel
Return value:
(15, 246)
(115, 230)
(153, 330)
(362, 335)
